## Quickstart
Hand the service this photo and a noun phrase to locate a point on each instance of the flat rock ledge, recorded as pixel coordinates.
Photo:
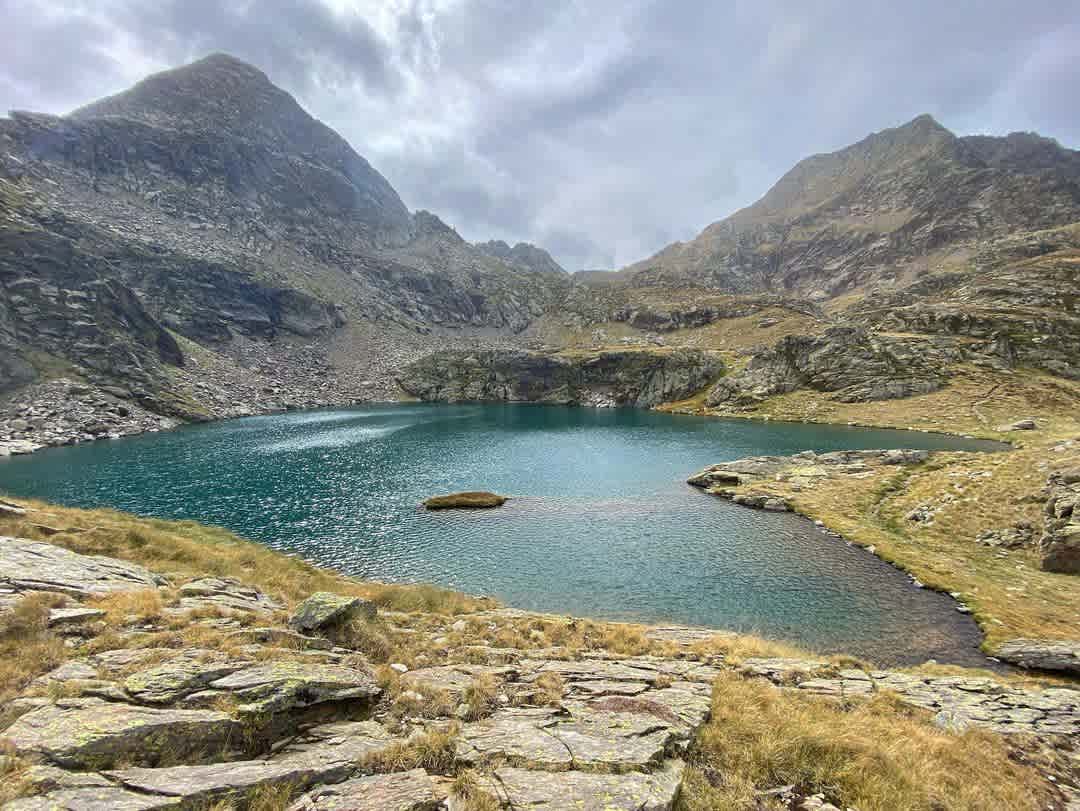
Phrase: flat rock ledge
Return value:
(958, 702)
(35, 566)
(157, 727)
(803, 470)
(1039, 654)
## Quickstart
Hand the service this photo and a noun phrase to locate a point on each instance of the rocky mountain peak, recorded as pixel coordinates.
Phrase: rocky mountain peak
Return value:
(227, 101)
(814, 180)
(429, 225)
(523, 254)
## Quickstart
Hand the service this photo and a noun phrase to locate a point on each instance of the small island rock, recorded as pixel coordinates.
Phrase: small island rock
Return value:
(469, 500)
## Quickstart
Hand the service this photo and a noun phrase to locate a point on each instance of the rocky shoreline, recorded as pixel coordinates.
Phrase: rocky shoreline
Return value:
(294, 702)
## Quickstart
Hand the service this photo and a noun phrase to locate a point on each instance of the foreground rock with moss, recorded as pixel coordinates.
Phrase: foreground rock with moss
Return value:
(151, 678)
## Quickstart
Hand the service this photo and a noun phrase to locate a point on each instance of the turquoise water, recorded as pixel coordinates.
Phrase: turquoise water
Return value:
(601, 522)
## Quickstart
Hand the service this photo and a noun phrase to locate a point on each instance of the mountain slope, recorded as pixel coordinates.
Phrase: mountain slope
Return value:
(878, 212)
(229, 221)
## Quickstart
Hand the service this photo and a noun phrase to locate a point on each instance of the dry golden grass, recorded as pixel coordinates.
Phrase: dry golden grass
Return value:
(1009, 594)
(550, 688)
(270, 797)
(469, 790)
(976, 401)
(432, 750)
(369, 636)
(181, 548)
(28, 648)
(125, 608)
(13, 779)
(481, 697)
(875, 755)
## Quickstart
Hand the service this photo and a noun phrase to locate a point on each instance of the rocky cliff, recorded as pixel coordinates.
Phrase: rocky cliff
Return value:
(641, 378)
(204, 203)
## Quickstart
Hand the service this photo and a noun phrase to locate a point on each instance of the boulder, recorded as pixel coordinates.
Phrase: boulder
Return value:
(97, 735)
(1060, 544)
(324, 609)
(1019, 425)
(848, 362)
(73, 616)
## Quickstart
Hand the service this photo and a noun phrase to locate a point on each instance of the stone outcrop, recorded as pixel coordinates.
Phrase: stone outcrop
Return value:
(1061, 538)
(847, 362)
(413, 790)
(802, 470)
(520, 788)
(958, 702)
(641, 378)
(1040, 654)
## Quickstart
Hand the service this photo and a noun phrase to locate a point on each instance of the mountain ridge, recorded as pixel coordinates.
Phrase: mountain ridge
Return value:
(233, 255)
(918, 184)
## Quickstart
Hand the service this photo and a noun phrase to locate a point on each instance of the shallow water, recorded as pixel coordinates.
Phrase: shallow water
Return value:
(601, 522)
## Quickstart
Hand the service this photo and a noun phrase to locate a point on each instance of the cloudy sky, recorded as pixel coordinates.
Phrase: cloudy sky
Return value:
(600, 129)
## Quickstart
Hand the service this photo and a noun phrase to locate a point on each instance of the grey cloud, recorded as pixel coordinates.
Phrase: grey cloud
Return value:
(600, 130)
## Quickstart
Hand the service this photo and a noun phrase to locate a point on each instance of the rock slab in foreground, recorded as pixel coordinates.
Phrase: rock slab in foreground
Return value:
(285, 685)
(34, 566)
(413, 790)
(553, 791)
(97, 735)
